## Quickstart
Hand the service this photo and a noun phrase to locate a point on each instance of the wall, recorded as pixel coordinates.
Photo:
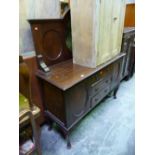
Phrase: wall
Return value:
(130, 15)
(130, 1)
(34, 9)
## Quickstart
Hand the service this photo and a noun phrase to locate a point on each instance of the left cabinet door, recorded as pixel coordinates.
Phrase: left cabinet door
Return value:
(76, 101)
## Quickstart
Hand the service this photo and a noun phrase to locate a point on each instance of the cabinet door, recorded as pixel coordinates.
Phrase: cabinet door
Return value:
(103, 30)
(110, 29)
(117, 25)
(76, 100)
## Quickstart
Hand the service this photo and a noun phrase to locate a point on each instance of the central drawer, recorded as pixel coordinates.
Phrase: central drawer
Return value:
(99, 96)
(99, 85)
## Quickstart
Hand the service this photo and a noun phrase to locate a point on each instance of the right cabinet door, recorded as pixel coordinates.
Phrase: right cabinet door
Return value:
(110, 29)
(117, 25)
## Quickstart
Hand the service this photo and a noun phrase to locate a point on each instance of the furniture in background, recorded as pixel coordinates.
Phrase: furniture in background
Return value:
(130, 15)
(97, 29)
(65, 6)
(28, 112)
(32, 65)
(128, 47)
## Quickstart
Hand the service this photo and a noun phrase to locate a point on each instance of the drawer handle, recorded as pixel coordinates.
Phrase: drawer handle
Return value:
(96, 89)
(96, 99)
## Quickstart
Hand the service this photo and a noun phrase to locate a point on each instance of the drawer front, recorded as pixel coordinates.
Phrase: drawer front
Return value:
(99, 85)
(98, 97)
(104, 73)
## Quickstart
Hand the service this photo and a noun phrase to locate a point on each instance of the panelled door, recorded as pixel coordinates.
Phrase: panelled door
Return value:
(117, 25)
(111, 24)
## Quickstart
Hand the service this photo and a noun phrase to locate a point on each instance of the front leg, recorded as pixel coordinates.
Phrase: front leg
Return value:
(68, 141)
(66, 135)
(115, 92)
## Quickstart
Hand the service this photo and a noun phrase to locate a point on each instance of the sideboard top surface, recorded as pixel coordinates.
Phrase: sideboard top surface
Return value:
(64, 75)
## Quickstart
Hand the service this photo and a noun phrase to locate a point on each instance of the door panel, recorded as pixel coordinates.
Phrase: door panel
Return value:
(76, 100)
(103, 39)
(118, 14)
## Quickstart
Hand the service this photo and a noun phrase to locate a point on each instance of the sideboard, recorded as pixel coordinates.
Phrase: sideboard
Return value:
(70, 91)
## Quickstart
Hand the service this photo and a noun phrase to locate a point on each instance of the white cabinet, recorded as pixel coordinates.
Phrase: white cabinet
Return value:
(97, 28)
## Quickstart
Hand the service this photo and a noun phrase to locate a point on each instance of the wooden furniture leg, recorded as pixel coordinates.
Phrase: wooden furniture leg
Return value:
(115, 92)
(68, 141)
(66, 136)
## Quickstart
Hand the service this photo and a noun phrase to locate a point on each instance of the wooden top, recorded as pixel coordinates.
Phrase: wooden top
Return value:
(66, 74)
(128, 29)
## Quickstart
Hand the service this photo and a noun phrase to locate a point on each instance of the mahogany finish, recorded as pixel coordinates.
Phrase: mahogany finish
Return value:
(128, 47)
(50, 37)
(70, 91)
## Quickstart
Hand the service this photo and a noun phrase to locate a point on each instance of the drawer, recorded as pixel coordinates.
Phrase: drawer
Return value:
(99, 85)
(104, 73)
(98, 97)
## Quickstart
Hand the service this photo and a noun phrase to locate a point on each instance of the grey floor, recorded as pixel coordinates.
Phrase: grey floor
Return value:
(107, 130)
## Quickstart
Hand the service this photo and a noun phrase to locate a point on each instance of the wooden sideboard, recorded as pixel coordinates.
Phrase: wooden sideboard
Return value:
(70, 91)
(128, 47)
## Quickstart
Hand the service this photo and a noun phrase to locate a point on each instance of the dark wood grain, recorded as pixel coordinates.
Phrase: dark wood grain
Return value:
(50, 37)
(71, 91)
(66, 74)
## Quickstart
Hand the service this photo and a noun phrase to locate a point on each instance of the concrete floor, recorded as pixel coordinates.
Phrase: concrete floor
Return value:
(107, 130)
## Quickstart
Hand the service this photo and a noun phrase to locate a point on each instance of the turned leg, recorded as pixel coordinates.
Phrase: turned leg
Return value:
(66, 135)
(68, 142)
(50, 124)
(115, 92)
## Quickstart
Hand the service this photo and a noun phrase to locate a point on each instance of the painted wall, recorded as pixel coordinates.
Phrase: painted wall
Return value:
(130, 1)
(34, 9)
(130, 15)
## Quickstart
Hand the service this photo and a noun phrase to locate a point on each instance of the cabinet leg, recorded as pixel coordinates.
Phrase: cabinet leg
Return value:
(115, 92)
(66, 134)
(68, 142)
(50, 124)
